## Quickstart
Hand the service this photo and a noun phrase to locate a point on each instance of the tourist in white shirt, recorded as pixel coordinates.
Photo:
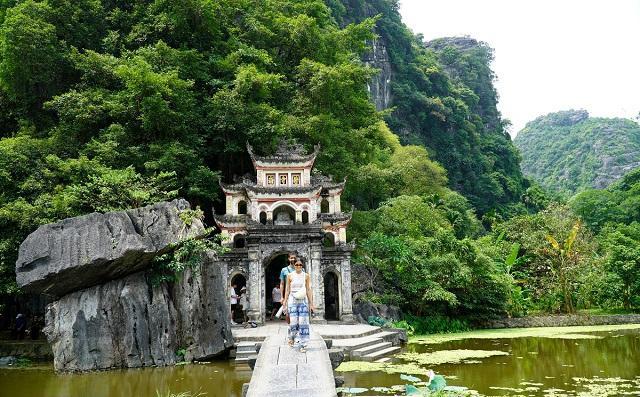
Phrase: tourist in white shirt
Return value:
(234, 302)
(276, 298)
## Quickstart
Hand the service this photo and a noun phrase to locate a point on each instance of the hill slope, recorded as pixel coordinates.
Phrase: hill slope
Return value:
(569, 151)
(443, 98)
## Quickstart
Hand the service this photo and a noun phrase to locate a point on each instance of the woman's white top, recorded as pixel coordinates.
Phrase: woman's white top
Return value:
(298, 282)
(233, 295)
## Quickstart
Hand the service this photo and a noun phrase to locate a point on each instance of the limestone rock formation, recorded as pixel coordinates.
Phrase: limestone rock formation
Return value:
(81, 252)
(379, 86)
(362, 310)
(569, 151)
(108, 313)
(131, 323)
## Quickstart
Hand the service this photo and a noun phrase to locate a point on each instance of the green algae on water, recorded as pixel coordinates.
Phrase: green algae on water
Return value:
(389, 368)
(450, 356)
(575, 332)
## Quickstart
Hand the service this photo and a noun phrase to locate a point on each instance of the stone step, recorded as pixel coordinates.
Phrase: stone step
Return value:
(383, 360)
(380, 354)
(370, 349)
(386, 334)
(357, 343)
(369, 332)
(246, 353)
(246, 346)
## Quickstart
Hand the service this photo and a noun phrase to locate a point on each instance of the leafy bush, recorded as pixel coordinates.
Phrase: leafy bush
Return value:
(435, 324)
(186, 254)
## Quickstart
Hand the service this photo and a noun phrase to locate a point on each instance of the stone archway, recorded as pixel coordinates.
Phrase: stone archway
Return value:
(240, 281)
(331, 285)
(284, 215)
(272, 267)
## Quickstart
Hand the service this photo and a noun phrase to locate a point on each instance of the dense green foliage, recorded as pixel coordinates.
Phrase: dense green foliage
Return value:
(619, 203)
(569, 151)
(124, 104)
(422, 257)
(121, 105)
(443, 98)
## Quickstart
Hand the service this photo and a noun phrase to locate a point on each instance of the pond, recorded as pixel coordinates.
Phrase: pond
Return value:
(218, 379)
(563, 361)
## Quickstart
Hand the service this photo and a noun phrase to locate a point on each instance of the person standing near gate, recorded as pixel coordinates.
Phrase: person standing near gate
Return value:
(290, 268)
(276, 298)
(233, 300)
(299, 298)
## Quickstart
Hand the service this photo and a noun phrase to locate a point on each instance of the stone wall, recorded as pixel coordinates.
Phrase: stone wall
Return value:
(562, 321)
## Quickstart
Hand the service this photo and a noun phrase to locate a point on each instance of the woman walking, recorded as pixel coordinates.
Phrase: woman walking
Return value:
(299, 300)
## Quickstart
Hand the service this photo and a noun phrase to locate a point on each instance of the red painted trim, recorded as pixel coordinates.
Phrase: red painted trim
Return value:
(284, 167)
(295, 200)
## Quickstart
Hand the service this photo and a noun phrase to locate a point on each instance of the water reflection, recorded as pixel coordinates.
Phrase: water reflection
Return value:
(216, 380)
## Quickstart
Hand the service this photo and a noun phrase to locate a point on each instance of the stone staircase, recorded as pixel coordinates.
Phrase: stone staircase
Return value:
(357, 342)
(377, 346)
(246, 349)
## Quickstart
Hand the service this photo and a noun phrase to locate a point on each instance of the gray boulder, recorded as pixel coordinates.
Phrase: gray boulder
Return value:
(8, 361)
(131, 323)
(362, 310)
(81, 252)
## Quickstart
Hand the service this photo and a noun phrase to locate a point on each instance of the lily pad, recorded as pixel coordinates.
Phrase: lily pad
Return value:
(352, 390)
(389, 368)
(539, 332)
(449, 356)
(410, 378)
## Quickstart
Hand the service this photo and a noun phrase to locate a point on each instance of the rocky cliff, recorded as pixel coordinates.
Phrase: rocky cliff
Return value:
(380, 85)
(79, 252)
(129, 322)
(569, 151)
(109, 314)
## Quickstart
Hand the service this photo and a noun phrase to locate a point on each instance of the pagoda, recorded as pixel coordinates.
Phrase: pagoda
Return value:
(287, 207)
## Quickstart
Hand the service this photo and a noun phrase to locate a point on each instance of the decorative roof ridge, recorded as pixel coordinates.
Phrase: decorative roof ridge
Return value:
(327, 182)
(338, 216)
(286, 153)
(230, 217)
(237, 186)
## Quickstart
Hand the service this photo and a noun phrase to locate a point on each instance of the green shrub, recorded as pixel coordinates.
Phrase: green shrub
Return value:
(434, 324)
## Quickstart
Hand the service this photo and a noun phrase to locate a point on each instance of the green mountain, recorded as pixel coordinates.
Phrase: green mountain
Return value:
(569, 151)
(441, 96)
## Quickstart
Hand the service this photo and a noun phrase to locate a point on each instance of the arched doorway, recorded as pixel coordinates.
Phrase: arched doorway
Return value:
(331, 297)
(329, 240)
(240, 281)
(324, 206)
(272, 278)
(239, 241)
(284, 215)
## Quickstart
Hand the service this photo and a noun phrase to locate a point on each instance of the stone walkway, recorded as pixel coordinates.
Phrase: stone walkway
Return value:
(281, 370)
(326, 331)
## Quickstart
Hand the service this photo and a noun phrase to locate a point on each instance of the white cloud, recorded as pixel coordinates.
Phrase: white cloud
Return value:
(550, 55)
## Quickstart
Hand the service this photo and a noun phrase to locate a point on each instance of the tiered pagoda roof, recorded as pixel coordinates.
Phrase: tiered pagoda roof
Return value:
(286, 153)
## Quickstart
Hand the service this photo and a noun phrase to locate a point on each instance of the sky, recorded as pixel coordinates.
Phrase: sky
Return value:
(550, 55)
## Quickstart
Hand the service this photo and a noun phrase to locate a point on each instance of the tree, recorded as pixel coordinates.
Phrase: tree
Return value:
(556, 252)
(621, 245)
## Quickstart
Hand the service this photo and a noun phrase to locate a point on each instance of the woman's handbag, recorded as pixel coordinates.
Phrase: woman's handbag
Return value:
(300, 294)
